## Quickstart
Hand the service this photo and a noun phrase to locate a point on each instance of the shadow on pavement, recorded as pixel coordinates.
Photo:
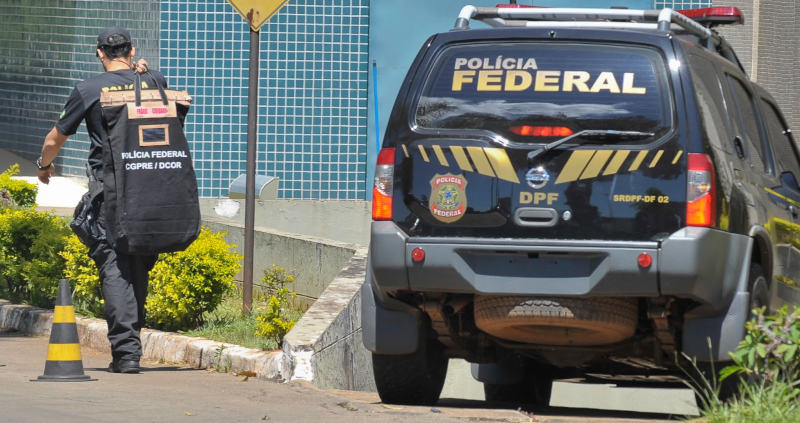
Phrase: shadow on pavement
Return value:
(546, 411)
(150, 369)
(558, 412)
(604, 414)
(4, 333)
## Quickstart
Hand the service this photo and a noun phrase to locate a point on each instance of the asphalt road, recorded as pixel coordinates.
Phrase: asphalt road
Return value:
(168, 393)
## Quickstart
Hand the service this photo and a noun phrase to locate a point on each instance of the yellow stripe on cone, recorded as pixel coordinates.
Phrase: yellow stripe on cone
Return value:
(64, 314)
(64, 352)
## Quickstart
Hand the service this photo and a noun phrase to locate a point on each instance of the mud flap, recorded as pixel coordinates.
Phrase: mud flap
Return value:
(503, 373)
(725, 331)
(385, 330)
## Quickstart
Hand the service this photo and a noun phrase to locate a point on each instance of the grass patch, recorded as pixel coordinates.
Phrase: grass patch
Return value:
(777, 402)
(227, 323)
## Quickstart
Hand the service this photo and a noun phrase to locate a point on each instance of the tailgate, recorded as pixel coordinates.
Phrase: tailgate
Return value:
(543, 140)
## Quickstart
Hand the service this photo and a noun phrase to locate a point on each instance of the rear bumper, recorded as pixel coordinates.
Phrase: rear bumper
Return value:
(698, 263)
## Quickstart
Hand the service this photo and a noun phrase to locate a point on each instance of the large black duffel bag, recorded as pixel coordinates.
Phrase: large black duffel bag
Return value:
(149, 184)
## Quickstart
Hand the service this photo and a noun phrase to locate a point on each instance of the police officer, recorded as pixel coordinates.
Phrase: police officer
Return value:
(123, 277)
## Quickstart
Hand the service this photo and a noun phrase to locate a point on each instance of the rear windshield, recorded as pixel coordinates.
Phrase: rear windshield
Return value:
(538, 92)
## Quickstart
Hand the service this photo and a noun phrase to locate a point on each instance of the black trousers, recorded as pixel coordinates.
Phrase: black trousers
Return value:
(123, 279)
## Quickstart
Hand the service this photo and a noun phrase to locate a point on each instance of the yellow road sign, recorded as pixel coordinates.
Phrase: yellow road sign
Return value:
(257, 12)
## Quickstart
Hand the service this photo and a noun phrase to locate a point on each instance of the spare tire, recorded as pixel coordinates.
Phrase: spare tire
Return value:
(557, 320)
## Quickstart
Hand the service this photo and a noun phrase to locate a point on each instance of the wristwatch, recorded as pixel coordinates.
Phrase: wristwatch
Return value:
(39, 164)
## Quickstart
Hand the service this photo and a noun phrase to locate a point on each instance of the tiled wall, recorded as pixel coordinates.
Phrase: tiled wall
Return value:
(312, 84)
(48, 46)
(312, 87)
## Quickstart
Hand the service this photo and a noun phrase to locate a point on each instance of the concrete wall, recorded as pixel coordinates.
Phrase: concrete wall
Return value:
(325, 346)
(339, 221)
(314, 262)
(768, 45)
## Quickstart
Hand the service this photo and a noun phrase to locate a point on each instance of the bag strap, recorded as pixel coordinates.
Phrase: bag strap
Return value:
(138, 89)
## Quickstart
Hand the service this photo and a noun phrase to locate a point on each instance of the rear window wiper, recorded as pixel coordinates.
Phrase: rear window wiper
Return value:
(591, 134)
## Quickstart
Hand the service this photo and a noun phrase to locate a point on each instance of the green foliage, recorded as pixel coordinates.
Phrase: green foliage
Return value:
(228, 324)
(768, 363)
(30, 266)
(82, 273)
(778, 402)
(185, 284)
(23, 193)
(222, 362)
(275, 323)
(769, 351)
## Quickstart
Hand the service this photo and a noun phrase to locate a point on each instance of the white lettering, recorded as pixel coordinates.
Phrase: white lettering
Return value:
(128, 155)
(169, 165)
(138, 165)
(474, 63)
(530, 64)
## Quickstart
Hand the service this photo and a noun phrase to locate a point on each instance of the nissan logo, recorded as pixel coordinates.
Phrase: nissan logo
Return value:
(537, 177)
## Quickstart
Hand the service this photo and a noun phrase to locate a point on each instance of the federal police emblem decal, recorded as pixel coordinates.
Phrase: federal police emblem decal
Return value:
(537, 177)
(448, 200)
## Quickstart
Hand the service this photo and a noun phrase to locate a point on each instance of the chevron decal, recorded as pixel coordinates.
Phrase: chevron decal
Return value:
(581, 164)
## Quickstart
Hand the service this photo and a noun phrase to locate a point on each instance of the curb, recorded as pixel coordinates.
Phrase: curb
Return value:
(169, 347)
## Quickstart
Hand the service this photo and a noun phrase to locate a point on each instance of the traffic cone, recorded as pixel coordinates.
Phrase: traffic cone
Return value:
(64, 362)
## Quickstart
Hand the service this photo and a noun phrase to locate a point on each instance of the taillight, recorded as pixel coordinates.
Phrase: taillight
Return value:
(701, 191)
(384, 185)
(541, 131)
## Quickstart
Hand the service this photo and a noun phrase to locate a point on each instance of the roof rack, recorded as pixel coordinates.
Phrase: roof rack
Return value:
(659, 20)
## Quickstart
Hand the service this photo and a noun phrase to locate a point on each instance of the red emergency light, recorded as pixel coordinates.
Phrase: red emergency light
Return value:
(514, 6)
(711, 16)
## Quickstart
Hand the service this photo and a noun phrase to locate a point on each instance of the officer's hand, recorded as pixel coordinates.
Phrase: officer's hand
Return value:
(44, 175)
(140, 66)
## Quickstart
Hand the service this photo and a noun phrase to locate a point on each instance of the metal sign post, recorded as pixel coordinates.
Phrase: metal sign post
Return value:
(256, 13)
(250, 183)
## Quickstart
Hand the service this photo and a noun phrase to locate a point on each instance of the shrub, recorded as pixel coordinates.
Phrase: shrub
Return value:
(23, 193)
(769, 350)
(185, 284)
(274, 323)
(82, 273)
(30, 266)
(768, 363)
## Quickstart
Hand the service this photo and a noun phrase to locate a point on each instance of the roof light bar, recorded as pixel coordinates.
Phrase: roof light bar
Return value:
(579, 17)
(712, 16)
(515, 6)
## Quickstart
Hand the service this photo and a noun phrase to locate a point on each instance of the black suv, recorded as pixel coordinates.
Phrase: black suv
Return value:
(573, 188)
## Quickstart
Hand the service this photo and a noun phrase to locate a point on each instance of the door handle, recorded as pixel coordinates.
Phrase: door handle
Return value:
(535, 216)
(738, 146)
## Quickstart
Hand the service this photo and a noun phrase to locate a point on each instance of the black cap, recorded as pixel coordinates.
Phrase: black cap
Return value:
(113, 36)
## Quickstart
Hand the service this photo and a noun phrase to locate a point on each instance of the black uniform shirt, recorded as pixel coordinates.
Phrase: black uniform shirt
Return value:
(84, 103)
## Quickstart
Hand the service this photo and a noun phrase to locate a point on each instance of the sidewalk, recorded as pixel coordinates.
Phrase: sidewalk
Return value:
(59, 196)
(157, 346)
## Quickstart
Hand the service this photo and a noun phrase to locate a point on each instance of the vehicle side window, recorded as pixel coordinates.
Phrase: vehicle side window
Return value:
(780, 139)
(749, 122)
(710, 102)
